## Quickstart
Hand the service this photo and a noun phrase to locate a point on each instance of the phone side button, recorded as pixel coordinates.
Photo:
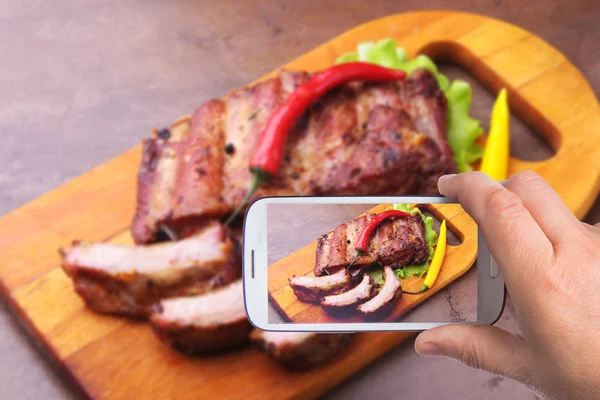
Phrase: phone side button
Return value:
(493, 268)
(252, 265)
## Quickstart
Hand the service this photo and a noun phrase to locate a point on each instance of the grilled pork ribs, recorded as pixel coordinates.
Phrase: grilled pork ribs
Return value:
(361, 138)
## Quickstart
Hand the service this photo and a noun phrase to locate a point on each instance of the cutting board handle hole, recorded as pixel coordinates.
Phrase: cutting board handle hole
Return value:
(536, 138)
(453, 237)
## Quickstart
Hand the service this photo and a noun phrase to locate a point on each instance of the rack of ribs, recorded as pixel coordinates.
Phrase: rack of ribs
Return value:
(361, 138)
(397, 241)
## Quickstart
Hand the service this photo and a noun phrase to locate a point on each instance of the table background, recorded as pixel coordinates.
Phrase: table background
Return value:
(82, 81)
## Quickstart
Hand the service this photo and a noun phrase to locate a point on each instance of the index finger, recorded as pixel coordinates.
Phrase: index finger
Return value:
(514, 238)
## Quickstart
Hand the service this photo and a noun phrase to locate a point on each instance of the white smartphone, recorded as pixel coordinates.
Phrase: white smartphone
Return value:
(366, 263)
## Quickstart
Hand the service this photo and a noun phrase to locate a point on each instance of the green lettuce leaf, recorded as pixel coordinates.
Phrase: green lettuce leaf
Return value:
(410, 270)
(462, 129)
(377, 275)
(348, 57)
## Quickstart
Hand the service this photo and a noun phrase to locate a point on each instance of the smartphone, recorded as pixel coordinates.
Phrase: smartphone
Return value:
(339, 264)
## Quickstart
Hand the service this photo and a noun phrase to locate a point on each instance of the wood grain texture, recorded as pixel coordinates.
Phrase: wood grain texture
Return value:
(545, 90)
(457, 261)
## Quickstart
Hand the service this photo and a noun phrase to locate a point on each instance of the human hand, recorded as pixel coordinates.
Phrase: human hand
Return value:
(551, 267)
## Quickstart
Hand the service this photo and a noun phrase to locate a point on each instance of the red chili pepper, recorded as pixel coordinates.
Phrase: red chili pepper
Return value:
(363, 238)
(266, 160)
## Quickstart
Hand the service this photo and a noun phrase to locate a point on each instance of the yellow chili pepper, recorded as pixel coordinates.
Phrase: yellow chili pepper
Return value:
(496, 153)
(436, 261)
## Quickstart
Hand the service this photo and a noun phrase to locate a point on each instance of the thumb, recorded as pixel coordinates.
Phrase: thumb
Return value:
(479, 346)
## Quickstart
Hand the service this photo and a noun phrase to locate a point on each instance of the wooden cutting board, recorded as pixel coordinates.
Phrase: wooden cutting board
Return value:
(114, 358)
(457, 261)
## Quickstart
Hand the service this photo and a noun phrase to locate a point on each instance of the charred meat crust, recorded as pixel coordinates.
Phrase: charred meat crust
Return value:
(193, 341)
(399, 241)
(125, 280)
(301, 350)
(389, 158)
(361, 138)
(387, 297)
(313, 289)
(205, 323)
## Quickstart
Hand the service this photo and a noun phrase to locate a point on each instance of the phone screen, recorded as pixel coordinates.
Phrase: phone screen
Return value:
(351, 263)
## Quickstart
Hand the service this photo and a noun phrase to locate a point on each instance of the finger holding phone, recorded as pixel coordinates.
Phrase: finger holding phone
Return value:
(550, 263)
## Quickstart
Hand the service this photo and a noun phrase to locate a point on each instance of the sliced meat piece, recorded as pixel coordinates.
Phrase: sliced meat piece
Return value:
(387, 296)
(397, 241)
(301, 350)
(314, 288)
(208, 322)
(127, 280)
(362, 292)
(180, 175)
(360, 138)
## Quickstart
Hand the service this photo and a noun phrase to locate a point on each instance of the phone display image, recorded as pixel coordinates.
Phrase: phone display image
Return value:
(348, 263)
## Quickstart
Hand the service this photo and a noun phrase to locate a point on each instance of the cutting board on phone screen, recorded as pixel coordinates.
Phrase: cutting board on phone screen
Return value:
(457, 261)
(108, 357)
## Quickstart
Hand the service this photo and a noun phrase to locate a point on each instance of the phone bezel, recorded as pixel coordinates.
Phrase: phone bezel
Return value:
(490, 291)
